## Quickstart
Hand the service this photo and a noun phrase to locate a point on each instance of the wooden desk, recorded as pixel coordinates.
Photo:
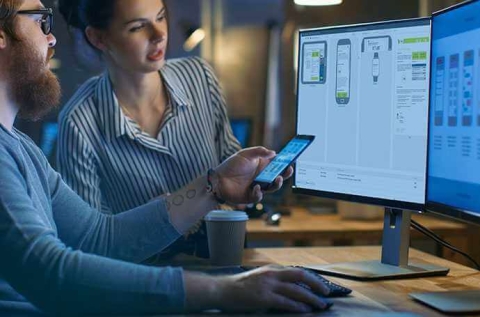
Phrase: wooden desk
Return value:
(372, 298)
(305, 229)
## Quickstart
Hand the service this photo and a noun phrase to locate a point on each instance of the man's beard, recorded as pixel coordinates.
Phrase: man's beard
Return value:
(34, 88)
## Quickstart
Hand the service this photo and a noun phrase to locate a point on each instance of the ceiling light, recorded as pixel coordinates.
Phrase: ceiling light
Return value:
(194, 39)
(317, 2)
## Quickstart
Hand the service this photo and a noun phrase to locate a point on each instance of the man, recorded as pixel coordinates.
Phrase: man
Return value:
(60, 256)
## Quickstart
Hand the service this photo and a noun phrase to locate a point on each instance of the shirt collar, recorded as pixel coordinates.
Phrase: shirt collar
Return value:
(174, 87)
(114, 121)
(111, 115)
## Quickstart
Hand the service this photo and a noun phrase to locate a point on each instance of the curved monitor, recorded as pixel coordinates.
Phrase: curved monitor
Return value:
(363, 92)
(454, 143)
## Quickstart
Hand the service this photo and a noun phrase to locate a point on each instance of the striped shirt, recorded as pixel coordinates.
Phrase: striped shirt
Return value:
(114, 166)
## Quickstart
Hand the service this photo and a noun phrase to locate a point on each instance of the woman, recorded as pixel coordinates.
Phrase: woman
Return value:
(147, 126)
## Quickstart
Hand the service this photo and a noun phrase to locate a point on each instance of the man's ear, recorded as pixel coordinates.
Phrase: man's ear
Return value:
(96, 38)
(3, 39)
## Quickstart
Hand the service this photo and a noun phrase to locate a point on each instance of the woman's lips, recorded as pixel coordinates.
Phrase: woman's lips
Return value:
(155, 56)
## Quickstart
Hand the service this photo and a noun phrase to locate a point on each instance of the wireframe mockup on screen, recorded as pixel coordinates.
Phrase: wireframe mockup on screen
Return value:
(363, 92)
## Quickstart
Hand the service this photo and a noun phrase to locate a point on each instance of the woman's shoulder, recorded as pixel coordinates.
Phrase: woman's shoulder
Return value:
(187, 65)
(81, 99)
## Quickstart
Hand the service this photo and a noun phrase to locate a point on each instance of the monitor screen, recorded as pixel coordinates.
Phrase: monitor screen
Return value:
(454, 143)
(363, 92)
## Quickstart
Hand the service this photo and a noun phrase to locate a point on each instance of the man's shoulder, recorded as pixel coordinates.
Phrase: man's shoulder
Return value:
(11, 141)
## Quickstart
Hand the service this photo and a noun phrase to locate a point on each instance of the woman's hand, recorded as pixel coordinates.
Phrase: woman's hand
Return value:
(233, 178)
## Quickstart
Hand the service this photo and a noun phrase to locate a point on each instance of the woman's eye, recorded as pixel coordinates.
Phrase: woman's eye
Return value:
(136, 28)
(161, 17)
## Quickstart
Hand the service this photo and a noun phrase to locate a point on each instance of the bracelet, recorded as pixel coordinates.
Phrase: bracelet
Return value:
(210, 174)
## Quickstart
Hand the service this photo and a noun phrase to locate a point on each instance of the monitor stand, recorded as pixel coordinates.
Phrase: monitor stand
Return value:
(394, 263)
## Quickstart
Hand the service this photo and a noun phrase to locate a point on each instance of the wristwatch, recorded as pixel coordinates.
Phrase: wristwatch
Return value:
(375, 67)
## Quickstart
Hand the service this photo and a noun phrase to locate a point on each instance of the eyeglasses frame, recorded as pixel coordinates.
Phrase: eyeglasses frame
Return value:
(47, 18)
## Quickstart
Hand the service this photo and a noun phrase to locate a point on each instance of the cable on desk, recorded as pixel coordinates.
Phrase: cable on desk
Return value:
(435, 237)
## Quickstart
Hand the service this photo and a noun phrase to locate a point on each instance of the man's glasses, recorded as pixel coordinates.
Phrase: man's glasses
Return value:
(46, 22)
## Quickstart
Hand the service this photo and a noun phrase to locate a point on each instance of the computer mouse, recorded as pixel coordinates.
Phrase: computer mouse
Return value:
(273, 219)
(328, 302)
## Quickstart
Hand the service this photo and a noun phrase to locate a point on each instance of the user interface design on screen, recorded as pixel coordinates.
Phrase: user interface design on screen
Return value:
(454, 149)
(283, 159)
(363, 92)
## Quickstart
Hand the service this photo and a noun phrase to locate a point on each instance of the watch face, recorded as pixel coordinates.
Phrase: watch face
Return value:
(376, 66)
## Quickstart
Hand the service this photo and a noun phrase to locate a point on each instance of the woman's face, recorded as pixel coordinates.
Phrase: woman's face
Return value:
(136, 39)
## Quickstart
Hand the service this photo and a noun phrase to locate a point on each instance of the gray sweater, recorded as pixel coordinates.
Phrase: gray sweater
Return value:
(59, 256)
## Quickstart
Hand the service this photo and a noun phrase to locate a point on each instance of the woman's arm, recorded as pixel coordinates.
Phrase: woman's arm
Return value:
(137, 234)
(77, 164)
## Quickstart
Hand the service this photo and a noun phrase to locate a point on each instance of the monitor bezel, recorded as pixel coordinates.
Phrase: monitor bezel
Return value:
(389, 203)
(430, 205)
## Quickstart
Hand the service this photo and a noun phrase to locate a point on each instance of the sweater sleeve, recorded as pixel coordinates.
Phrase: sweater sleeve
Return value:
(55, 273)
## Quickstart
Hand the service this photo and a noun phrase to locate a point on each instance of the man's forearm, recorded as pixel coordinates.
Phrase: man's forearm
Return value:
(188, 205)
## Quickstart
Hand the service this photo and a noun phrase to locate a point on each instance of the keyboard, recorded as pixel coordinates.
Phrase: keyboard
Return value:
(336, 290)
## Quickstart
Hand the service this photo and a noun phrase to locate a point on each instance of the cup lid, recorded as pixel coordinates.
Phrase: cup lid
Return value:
(226, 215)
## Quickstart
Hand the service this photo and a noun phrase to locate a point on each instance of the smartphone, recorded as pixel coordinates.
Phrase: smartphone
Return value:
(342, 93)
(287, 156)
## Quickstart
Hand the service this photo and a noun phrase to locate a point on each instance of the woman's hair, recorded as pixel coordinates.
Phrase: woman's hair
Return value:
(97, 13)
(8, 12)
(69, 11)
(82, 13)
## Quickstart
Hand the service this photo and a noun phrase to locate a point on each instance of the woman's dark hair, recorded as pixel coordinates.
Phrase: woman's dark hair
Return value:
(83, 13)
(69, 11)
(96, 13)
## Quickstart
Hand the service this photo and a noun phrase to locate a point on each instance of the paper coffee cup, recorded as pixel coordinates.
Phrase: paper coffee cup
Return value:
(226, 236)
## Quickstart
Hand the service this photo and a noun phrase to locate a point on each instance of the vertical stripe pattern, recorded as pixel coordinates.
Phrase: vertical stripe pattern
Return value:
(114, 166)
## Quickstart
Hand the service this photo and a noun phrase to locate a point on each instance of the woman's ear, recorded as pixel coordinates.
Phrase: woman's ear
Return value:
(96, 38)
(3, 39)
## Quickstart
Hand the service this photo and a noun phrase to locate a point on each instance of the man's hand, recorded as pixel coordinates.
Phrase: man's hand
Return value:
(263, 289)
(232, 178)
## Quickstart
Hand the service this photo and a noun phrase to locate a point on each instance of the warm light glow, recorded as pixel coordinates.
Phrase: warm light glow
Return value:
(54, 64)
(317, 2)
(194, 39)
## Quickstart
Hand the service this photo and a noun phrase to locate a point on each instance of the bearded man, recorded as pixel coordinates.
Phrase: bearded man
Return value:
(60, 256)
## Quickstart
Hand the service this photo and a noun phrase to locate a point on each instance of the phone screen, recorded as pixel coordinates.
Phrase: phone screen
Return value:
(286, 157)
(343, 71)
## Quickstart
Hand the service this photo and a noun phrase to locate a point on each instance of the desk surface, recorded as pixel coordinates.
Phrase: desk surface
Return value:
(379, 298)
(370, 298)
